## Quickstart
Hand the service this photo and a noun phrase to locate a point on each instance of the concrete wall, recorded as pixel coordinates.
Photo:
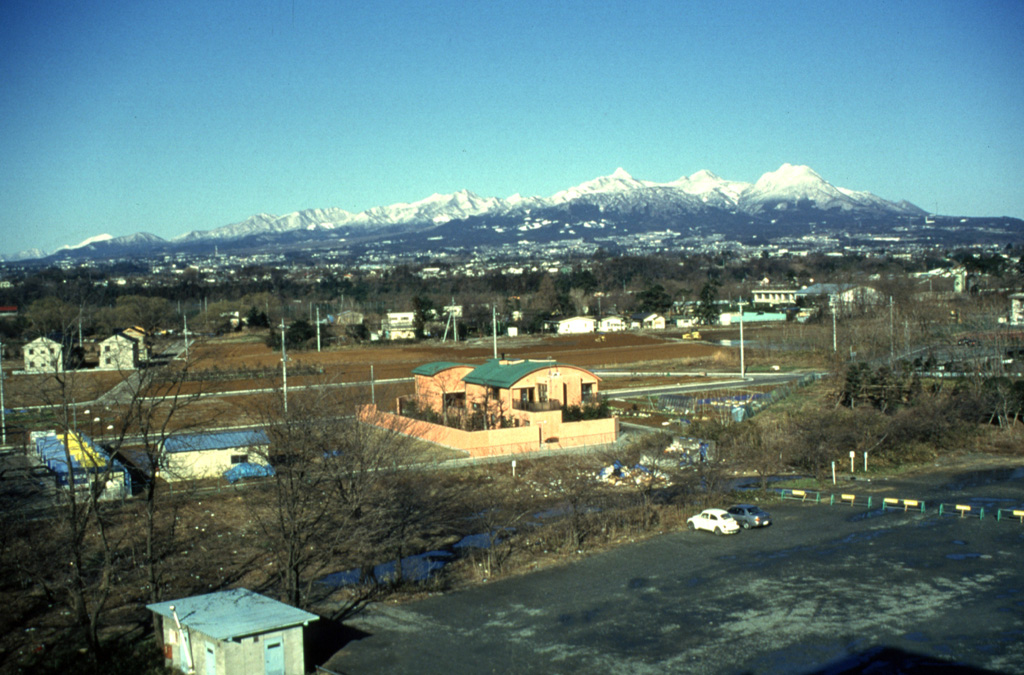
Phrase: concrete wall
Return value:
(546, 432)
(244, 657)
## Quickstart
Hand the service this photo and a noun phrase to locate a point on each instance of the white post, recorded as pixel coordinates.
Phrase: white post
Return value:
(513, 468)
(852, 456)
(284, 367)
(865, 462)
(833, 473)
(318, 329)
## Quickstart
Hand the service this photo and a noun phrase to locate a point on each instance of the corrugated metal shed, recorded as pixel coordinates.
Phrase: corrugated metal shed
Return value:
(220, 440)
(229, 615)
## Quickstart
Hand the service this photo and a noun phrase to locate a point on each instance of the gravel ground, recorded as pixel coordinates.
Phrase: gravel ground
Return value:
(824, 589)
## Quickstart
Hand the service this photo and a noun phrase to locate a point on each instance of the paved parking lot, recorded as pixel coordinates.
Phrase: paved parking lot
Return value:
(824, 588)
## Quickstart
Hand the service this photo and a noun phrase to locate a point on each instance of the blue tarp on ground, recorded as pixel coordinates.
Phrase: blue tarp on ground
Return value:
(248, 470)
(414, 568)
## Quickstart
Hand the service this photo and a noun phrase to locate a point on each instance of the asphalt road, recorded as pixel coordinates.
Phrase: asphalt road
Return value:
(825, 589)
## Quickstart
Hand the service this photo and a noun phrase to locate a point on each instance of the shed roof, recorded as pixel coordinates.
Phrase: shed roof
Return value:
(220, 440)
(227, 615)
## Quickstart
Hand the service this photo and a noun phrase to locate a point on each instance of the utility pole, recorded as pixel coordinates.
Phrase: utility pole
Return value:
(3, 412)
(494, 328)
(284, 367)
(318, 328)
(832, 303)
(892, 335)
(373, 390)
(185, 319)
(743, 369)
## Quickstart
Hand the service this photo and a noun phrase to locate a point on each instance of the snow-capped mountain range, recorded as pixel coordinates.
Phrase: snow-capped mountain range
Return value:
(614, 205)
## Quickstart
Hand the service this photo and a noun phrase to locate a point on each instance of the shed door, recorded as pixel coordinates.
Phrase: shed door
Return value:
(210, 658)
(273, 656)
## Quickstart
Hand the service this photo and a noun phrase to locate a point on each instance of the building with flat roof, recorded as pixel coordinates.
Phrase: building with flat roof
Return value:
(235, 632)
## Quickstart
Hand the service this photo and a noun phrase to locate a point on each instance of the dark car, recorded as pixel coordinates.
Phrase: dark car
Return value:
(749, 516)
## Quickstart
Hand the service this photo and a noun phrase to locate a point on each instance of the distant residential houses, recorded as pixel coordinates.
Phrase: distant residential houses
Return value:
(119, 352)
(44, 355)
(124, 350)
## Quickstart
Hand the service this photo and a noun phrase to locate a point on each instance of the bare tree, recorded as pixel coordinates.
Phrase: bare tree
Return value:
(335, 492)
(151, 405)
(759, 445)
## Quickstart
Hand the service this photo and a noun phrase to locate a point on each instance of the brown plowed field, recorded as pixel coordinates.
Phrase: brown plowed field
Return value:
(396, 361)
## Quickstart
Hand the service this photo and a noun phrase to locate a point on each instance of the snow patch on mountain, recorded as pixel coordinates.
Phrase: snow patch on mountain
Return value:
(91, 240)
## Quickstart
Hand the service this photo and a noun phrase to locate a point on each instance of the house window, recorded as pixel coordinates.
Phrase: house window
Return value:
(542, 393)
(239, 459)
(587, 390)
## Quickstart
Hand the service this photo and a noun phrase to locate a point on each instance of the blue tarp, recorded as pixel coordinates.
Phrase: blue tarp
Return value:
(414, 568)
(248, 470)
(54, 455)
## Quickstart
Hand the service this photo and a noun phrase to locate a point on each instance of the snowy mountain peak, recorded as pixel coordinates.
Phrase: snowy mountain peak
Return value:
(701, 197)
(704, 176)
(618, 181)
(788, 176)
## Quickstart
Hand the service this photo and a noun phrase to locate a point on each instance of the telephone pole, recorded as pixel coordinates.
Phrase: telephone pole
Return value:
(284, 367)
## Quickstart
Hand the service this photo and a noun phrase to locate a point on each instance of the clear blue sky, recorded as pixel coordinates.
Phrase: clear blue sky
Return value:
(164, 117)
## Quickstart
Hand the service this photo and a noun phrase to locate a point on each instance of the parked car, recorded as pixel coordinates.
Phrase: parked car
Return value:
(749, 516)
(713, 520)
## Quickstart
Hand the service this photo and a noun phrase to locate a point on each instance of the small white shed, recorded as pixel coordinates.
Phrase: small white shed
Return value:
(235, 632)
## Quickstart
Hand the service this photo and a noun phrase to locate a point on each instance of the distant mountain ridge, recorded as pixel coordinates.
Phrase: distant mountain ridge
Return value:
(780, 203)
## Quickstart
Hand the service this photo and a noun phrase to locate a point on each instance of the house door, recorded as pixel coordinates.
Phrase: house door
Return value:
(273, 656)
(210, 659)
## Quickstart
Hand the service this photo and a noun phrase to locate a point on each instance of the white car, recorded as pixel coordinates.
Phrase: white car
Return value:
(713, 520)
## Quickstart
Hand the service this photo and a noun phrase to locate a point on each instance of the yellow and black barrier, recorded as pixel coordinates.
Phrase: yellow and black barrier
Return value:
(1012, 513)
(963, 510)
(894, 503)
(850, 499)
(801, 495)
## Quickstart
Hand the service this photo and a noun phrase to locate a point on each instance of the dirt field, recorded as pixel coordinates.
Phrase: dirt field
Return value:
(230, 361)
(396, 361)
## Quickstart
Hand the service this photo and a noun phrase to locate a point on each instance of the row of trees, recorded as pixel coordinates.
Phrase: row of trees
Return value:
(624, 284)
